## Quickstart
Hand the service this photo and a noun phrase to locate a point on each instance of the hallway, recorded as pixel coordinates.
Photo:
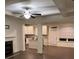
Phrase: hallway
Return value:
(49, 53)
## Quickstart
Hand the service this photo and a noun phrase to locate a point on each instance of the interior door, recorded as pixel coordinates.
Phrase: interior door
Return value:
(53, 36)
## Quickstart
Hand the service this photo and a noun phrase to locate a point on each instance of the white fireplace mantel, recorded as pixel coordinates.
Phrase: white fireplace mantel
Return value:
(12, 36)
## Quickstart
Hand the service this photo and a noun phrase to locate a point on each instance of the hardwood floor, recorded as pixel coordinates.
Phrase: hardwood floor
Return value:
(49, 53)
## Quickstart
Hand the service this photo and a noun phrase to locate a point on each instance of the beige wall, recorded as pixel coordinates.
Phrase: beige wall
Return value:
(63, 31)
(14, 31)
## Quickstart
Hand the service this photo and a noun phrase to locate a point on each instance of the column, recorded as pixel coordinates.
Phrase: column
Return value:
(40, 40)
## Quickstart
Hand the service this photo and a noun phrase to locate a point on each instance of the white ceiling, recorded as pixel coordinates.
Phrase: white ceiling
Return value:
(45, 7)
(65, 6)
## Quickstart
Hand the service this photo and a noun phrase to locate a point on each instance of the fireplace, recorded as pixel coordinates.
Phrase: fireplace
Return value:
(8, 48)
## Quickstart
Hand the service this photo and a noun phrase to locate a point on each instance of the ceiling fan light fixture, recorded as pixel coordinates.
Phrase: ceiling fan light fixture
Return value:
(27, 15)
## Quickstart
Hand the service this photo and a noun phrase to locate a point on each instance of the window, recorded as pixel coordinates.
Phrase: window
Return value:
(70, 39)
(62, 39)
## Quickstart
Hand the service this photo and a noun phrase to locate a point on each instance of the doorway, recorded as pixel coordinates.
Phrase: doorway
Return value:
(53, 36)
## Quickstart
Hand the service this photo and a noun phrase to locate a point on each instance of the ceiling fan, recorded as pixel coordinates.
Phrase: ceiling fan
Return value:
(28, 13)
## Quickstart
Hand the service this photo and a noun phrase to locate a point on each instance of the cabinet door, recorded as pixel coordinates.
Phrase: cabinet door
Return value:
(44, 30)
(29, 30)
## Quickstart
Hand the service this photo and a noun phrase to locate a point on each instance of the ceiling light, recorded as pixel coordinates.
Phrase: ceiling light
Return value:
(27, 14)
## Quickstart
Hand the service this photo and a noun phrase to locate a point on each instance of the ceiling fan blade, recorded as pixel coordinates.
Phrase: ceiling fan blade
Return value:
(16, 13)
(37, 14)
(21, 15)
(33, 16)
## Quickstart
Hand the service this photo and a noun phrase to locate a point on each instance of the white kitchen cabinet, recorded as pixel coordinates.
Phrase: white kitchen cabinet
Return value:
(29, 29)
(44, 30)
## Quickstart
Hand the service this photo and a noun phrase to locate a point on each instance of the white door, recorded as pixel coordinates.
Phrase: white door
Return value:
(53, 36)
